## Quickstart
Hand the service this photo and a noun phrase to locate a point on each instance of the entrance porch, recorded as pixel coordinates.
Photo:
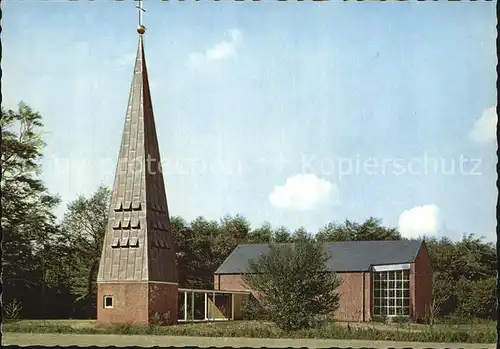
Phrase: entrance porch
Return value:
(210, 305)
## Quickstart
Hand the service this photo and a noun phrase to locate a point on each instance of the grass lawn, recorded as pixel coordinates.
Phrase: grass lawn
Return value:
(473, 333)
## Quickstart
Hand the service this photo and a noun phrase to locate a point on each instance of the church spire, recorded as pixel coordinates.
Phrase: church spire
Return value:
(138, 250)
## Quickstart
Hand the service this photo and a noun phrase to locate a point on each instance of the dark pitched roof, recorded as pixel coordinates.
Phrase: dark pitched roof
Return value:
(348, 256)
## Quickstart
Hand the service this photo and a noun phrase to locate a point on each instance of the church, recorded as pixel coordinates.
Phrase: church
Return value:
(137, 276)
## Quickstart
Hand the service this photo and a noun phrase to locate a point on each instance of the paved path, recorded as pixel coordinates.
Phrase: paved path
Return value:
(50, 339)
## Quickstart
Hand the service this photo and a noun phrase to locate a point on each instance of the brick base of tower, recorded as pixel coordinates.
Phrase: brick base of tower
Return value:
(136, 303)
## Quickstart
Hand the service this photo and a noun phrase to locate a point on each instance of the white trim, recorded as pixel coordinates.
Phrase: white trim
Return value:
(206, 307)
(207, 320)
(138, 282)
(104, 302)
(185, 306)
(212, 291)
(391, 267)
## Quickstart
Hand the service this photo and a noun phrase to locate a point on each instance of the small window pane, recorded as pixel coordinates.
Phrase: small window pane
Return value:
(406, 302)
(399, 302)
(383, 302)
(391, 293)
(399, 293)
(406, 311)
(108, 302)
(392, 302)
(376, 285)
(376, 293)
(406, 275)
(406, 293)
(376, 310)
(406, 284)
(376, 302)
(397, 276)
(392, 284)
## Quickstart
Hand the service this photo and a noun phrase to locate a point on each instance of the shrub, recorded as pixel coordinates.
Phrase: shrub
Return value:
(431, 312)
(255, 329)
(161, 320)
(294, 283)
(253, 310)
(12, 310)
(476, 298)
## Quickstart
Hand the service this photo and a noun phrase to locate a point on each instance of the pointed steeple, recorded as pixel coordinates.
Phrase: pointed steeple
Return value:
(138, 247)
(139, 209)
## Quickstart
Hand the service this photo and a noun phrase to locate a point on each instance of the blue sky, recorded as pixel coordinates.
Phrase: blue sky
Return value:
(294, 113)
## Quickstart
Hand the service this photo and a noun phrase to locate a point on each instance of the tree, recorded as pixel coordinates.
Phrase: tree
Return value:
(476, 298)
(262, 235)
(199, 253)
(27, 208)
(462, 274)
(369, 230)
(300, 234)
(82, 237)
(282, 235)
(293, 284)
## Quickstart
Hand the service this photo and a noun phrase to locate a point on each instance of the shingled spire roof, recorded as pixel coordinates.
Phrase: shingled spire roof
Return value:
(138, 245)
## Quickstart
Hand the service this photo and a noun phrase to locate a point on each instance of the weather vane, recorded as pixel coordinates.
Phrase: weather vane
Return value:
(140, 28)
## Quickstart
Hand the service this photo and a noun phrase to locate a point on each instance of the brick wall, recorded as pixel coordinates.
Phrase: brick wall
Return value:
(129, 303)
(163, 298)
(136, 302)
(422, 286)
(350, 291)
(351, 297)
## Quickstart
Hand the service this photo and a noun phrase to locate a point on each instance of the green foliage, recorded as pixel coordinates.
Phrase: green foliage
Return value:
(27, 219)
(256, 329)
(261, 235)
(371, 229)
(80, 240)
(464, 276)
(431, 312)
(253, 310)
(294, 285)
(12, 310)
(160, 319)
(400, 320)
(282, 235)
(380, 318)
(476, 298)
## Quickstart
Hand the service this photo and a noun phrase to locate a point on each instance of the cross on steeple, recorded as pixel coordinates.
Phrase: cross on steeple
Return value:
(140, 28)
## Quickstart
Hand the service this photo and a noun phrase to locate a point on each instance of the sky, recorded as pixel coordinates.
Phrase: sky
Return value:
(297, 114)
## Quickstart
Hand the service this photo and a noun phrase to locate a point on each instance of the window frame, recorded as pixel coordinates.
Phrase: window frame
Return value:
(388, 292)
(105, 298)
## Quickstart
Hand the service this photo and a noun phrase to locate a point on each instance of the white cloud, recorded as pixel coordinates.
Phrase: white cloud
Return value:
(302, 192)
(224, 49)
(418, 221)
(485, 128)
